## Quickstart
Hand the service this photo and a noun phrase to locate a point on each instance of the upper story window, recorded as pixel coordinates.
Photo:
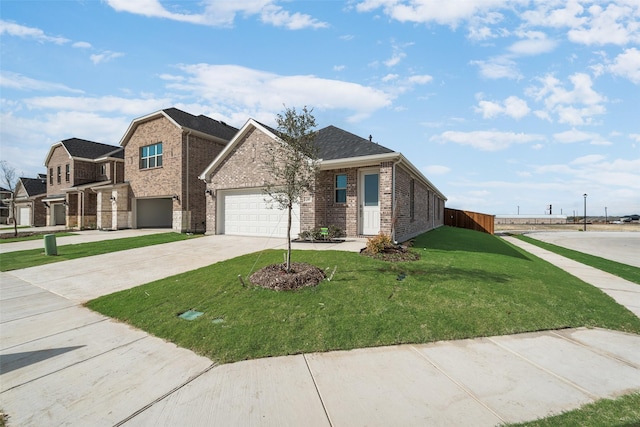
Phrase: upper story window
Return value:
(59, 174)
(341, 188)
(67, 173)
(103, 169)
(151, 156)
(50, 176)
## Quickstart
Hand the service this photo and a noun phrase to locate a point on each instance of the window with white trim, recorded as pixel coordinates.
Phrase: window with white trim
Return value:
(151, 156)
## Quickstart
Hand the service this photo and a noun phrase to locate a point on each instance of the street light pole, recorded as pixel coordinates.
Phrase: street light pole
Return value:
(606, 219)
(585, 211)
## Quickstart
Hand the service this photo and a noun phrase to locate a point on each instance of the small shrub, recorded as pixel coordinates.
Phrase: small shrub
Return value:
(379, 243)
(335, 232)
(305, 235)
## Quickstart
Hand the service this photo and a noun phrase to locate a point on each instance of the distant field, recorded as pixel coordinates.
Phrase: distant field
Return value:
(567, 227)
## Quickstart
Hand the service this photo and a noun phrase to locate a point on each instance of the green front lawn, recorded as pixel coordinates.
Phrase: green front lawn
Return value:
(467, 284)
(33, 237)
(34, 257)
(621, 412)
(624, 271)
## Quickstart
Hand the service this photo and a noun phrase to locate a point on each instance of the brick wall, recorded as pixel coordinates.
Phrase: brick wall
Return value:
(59, 158)
(327, 211)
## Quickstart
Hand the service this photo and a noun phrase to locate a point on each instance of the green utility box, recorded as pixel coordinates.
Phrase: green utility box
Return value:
(50, 247)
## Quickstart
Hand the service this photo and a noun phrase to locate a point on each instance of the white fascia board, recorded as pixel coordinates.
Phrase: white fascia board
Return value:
(424, 179)
(250, 124)
(354, 162)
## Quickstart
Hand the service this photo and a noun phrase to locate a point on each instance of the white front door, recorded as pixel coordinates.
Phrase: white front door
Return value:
(369, 202)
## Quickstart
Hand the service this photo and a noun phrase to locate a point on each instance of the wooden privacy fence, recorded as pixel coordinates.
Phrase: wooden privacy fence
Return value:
(471, 220)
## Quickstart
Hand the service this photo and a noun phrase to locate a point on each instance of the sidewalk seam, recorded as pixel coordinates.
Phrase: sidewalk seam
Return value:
(315, 384)
(164, 396)
(561, 378)
(459, 384)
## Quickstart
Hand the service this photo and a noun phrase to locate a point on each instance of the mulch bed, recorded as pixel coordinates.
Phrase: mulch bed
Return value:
(275, 276)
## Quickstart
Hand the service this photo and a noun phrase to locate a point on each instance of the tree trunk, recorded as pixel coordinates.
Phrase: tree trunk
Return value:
(289, 208)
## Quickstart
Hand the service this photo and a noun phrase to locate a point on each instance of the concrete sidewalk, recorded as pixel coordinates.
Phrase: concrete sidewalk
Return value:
(64, 364)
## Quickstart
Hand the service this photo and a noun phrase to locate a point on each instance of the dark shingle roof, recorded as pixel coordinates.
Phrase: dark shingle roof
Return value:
(34, 186)
(202, 124)
(335, 143)
(91, 150)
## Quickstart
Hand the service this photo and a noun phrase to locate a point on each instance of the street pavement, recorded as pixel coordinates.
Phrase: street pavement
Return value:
(62, 364)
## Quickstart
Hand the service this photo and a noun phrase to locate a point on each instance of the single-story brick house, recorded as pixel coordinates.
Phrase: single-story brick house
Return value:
(164, 153)
(76, 170)
(362, 187)
(29, 207)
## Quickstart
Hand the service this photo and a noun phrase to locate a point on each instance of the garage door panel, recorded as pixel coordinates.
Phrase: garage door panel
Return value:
(155, 213)
(247, 213)
(24, 216)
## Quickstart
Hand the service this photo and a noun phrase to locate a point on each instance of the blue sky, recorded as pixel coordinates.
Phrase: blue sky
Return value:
(505, 106)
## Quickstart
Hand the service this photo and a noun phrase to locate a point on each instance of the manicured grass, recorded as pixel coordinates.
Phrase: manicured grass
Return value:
(33, 237)
(467, 284)
(621, 412)
(34, 257)
(624, 271)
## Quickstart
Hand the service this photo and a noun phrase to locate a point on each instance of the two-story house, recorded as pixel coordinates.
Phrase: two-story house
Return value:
(164, 153)
(76, 170)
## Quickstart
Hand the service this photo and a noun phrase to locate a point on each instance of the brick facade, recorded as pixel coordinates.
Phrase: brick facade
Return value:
(184, 156)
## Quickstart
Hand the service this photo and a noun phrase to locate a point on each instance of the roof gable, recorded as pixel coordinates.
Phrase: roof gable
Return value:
(34, 186)
(84, 149)
(187, 122)
(334, 143)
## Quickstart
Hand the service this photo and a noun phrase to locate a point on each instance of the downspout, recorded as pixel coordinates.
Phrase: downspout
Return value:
(82, 211)
(188, 179)
(393, 202)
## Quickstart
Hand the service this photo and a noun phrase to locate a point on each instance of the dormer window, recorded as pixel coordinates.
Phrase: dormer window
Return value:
(151, 156)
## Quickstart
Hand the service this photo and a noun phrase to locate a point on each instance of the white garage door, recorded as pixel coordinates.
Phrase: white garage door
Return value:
(246, 213)
(154, 213)
(24, 218)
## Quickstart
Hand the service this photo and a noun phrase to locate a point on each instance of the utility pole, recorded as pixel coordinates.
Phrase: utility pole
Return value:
(606, 219)
(585, 212)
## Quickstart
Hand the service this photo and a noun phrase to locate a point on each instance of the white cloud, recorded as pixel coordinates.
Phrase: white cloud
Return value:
(560, 101)
(242, 92)
(573, 135)
(589, 159)
(105, 56)
(16, 30)
(616, 24)
(106, 104)
(635, 136)
(436, 170)
(498, 67)
(444, 12)
(487, 140)
(421, 79)
(222, 13)
(17, 81)
(532, 43)
(627, 65)
(512, 106)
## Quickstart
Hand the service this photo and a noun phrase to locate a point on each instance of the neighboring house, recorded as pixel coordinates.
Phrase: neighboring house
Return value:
(362, 187)
(164, 152)
(5, 205)
(29, 195)
(77, 170)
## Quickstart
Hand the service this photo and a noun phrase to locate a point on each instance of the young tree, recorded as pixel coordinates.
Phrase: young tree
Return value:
(292, 163)
(9, 181)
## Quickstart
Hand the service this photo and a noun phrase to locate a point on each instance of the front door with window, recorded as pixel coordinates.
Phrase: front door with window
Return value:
(369, 202)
